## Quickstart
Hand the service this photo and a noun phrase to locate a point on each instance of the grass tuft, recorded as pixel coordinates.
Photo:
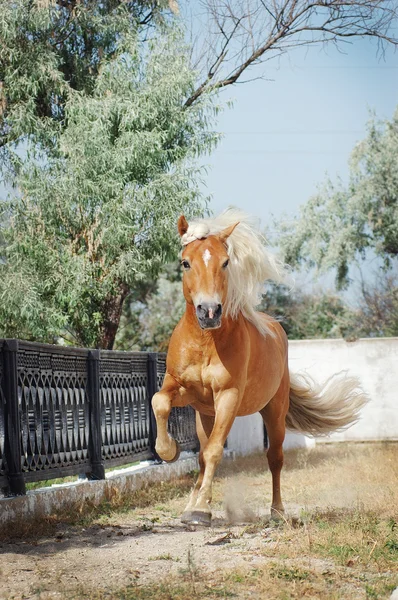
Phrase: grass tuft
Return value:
(338, 541)
(85, 512)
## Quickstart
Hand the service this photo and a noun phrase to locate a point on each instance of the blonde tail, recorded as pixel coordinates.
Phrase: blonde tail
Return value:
(316, 410)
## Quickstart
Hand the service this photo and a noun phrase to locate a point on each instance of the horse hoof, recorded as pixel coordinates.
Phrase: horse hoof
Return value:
(177, 454)
(277, 516)
(196, 517)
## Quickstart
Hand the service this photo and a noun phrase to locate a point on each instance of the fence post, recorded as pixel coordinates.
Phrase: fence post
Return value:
(152, 388)
(95, 434)
(12, 447)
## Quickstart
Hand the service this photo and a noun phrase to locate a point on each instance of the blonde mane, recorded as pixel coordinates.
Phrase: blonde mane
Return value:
(250, 266)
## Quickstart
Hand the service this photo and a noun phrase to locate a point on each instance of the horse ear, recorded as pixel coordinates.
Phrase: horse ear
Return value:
(225, 233)
(182, 225)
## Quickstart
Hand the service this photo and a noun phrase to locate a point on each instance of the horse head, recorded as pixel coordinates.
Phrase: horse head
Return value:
(205, 273)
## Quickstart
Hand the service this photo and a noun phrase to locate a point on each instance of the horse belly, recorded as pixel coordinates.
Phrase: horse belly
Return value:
(264, 376)
(257, 395)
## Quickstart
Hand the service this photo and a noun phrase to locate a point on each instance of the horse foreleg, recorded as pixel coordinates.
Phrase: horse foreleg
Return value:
(226, 408)
(204, 427)
(274, 415)
(165, 446)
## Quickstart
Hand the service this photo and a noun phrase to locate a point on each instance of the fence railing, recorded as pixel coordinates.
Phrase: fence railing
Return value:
(72, 411)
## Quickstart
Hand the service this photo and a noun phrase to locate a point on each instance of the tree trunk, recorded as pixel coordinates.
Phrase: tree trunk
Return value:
(112, 312)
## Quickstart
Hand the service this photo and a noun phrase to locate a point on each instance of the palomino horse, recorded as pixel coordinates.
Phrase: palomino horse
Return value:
(227, 360)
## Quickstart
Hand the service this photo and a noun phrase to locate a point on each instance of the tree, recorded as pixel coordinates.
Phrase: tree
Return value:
(148, 325)
(309, 316)
(148, 321)
(341, 224)
(245, 33)
(99, 194)
(151, 312)
(102, 99)
(377, 315)
(51, 48)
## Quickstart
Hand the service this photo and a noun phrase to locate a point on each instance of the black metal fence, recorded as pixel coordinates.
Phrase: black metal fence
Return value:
(71, 411)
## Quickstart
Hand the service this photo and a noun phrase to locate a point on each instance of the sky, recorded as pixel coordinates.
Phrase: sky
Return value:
(283, 136)
(286, 132)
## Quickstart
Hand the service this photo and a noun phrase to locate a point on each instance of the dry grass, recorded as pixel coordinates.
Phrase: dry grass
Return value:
(352, 477)
(342, 542)
(86, 513)
(339, 540)
(340, 476)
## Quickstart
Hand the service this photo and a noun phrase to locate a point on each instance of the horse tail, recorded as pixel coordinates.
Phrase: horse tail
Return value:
(318, 410)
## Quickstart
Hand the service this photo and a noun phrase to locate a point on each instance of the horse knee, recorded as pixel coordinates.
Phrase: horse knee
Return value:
(213, 453)
(161, 405)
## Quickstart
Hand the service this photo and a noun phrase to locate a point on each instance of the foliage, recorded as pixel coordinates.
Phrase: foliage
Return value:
(151, 313)
(101, 102)
(378, 309)
(148, 322)
(306, 316)
(99, 192)
(340, 224)
(50, 48)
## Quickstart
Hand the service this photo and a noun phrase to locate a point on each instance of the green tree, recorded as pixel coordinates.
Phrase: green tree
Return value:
(99, 192)
(102, 99)
(377, 314)
(309, 316)
(51, 48)
(147, 324)
(341, 223)
(151, 311)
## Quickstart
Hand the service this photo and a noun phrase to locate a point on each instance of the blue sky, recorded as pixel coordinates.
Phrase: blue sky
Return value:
(284, 134)
(281, 137)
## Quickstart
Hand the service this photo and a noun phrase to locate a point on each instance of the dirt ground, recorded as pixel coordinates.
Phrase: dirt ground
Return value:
(339, 539)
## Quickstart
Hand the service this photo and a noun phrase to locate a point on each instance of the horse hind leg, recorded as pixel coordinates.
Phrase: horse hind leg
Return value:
(274, 415)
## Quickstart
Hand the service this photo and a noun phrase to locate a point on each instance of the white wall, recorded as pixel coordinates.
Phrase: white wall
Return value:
(373, 361)
(247, 435)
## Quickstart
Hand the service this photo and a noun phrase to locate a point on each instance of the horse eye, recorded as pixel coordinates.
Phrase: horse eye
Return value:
(225, 265)
(185, 264)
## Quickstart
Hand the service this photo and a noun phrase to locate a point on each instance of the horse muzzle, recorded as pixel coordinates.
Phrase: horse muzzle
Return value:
(209, 315)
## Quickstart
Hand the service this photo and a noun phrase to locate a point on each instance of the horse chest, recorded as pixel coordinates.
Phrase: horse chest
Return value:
(204, 380)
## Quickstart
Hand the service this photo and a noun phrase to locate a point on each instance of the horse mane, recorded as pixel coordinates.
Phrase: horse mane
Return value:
(250, 265)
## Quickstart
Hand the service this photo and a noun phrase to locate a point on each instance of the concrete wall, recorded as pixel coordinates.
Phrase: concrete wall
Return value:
(247, 435)
(373, 361)
(46, 501)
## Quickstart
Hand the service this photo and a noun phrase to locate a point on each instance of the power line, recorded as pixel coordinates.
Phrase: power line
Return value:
(339, 67)
(296, 132)
(279, 152)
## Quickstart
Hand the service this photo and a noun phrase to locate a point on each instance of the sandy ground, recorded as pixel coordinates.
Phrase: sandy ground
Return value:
(113, 556)
(147, 545)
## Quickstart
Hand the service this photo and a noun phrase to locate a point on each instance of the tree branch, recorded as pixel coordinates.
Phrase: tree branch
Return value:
(266, 26)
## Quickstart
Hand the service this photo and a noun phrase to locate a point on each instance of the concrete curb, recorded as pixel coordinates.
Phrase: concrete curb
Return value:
(46, 501)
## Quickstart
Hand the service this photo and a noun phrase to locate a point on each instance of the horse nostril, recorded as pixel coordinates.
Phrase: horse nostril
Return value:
(209, 310)
(217, 311)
